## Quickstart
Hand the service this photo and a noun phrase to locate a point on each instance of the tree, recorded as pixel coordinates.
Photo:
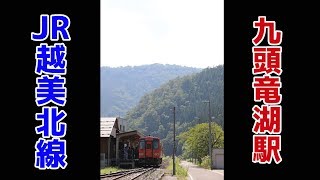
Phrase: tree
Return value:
(195, 140)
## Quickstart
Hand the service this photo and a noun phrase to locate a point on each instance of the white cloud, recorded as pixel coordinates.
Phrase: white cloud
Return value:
(185, 32)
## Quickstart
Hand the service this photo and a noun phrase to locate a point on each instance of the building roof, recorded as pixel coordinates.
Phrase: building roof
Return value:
(130, 133)
(132, 136)
(108, 126)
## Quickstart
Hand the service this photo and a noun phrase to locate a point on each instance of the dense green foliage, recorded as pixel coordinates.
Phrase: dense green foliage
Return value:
(153, 114)
(122, 87)
(195, 141)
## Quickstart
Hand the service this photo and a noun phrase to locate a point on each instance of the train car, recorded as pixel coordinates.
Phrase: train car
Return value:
(150, 151)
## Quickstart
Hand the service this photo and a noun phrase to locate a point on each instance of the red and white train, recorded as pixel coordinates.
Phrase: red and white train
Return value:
(150, 151)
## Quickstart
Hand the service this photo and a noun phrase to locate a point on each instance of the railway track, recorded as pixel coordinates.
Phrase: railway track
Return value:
(136, 174)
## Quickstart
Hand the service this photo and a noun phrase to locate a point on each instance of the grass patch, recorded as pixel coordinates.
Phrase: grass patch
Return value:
(107, 170)
(181, 172)
(165, 157)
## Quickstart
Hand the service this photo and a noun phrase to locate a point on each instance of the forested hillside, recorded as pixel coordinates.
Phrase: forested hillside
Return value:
(153, 114)
(122, 87)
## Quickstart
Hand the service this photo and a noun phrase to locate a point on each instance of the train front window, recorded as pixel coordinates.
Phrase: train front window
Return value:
(148, 146)
(155, 144)
(142, 144)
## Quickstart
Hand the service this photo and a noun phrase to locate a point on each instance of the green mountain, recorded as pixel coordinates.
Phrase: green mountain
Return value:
(153, 114)
(122, 87)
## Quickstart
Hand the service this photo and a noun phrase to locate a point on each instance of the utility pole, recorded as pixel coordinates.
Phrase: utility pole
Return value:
(174, 140)
(210, 135)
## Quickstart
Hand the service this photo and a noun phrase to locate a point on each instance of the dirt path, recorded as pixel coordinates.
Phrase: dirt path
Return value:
(168, 174)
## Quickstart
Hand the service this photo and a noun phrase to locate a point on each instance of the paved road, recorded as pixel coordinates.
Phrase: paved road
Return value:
(197, 173)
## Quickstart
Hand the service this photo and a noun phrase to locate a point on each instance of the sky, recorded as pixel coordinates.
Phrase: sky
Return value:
(182, 32)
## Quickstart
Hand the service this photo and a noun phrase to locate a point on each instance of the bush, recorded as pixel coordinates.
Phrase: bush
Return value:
(205, 162)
